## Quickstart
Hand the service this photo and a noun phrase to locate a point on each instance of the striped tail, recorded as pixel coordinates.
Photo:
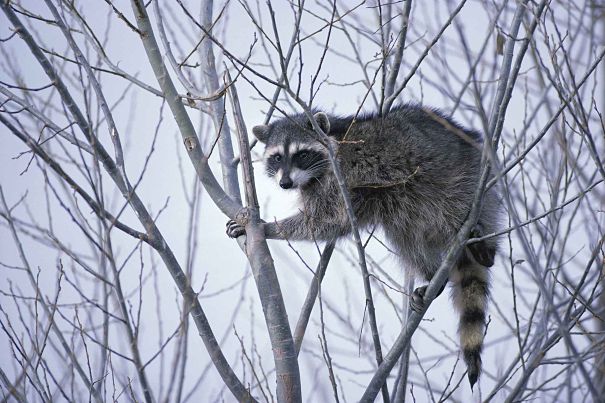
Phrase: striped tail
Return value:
(470, 293)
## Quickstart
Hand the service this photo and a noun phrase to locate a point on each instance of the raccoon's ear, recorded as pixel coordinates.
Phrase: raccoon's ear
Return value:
(323, 122)
(261, 132)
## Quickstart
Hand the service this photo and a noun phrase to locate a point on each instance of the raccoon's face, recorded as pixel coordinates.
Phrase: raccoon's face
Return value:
(292, 156)
(294, 165)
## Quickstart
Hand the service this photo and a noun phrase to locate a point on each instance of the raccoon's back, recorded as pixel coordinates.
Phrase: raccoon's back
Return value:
(409, 166)
(419, 155)
(409, 137)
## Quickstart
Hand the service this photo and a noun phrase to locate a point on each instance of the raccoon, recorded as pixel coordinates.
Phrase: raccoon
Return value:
(412, 172)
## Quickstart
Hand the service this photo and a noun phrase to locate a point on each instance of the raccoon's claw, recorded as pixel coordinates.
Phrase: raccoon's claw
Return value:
(417, 299)
(234, 229)
(482, 253)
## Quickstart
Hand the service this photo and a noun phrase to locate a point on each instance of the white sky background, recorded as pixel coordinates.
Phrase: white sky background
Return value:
(219, 261)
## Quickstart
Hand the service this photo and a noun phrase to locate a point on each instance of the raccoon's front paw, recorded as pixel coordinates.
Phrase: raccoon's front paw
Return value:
(417, 299)
(234, 229)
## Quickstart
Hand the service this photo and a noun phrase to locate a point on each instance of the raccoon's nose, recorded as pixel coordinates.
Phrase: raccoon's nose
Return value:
(285, 183)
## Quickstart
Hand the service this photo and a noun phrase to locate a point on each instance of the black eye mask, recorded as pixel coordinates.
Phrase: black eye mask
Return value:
(307, 158)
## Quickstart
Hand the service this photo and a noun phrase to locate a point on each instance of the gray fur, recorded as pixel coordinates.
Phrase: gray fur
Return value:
(414, 173)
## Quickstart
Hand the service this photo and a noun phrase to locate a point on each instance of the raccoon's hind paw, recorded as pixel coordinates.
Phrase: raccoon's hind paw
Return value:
(417, 299)
(234, 229)
(482, 253)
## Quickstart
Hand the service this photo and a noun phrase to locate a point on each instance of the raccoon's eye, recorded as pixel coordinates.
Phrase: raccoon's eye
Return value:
(276, 158)
(303, 155)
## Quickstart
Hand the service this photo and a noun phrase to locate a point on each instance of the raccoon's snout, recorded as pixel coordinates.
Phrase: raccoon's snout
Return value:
(285, 182)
